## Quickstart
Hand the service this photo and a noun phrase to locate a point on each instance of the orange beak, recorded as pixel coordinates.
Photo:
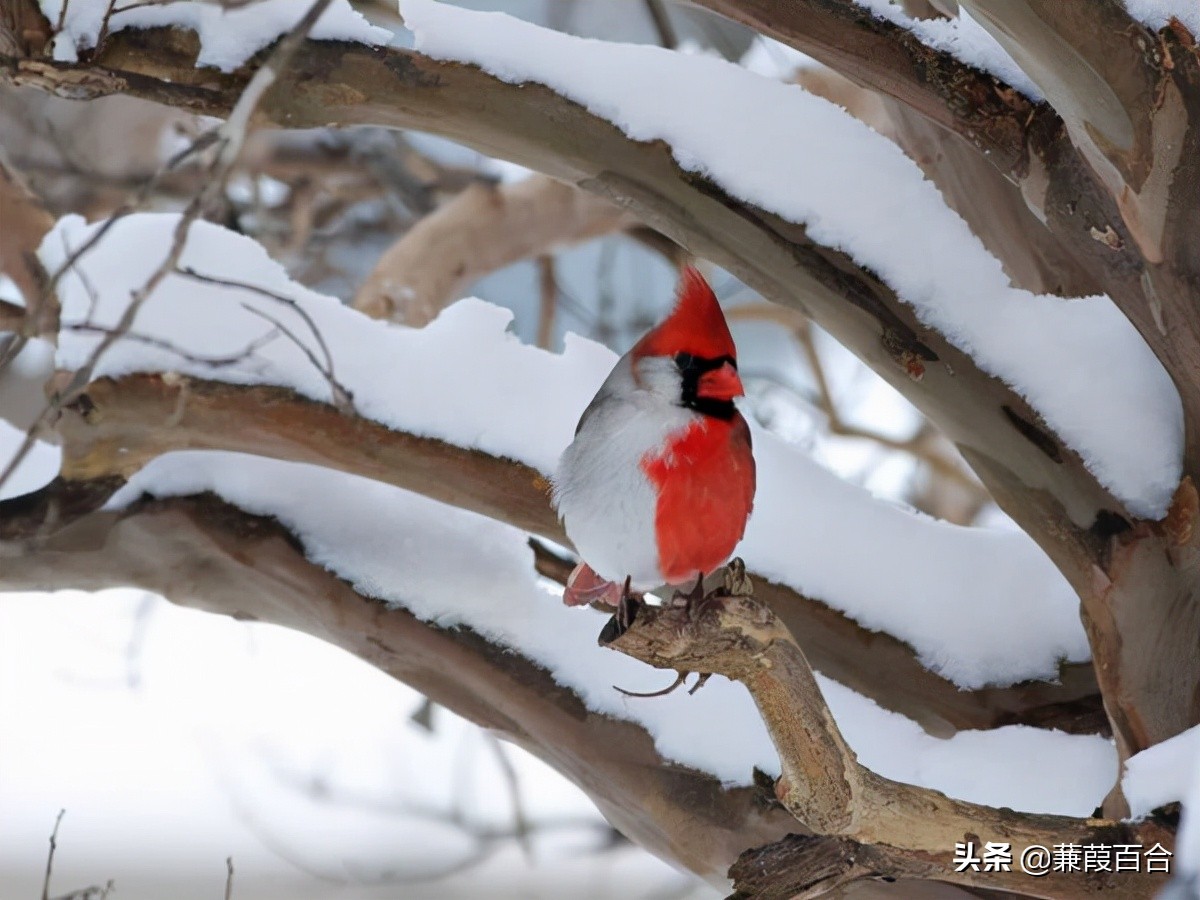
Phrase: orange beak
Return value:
(720, 384)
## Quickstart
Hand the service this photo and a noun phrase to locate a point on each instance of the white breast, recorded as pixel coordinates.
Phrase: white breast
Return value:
(606, 502)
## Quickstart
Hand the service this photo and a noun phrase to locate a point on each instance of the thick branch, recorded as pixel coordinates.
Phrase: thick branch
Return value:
(912, 830)
(850, 39)
(1112, 167)
(484, 228)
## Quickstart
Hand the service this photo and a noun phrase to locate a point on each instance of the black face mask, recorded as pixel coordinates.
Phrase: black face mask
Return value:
(691, 368)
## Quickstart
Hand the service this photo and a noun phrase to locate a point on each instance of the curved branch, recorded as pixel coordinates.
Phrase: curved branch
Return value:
(904, 830)
(850, 39)
(1111, 165)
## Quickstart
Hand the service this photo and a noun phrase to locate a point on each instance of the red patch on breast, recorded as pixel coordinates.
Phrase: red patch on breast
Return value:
(705, 485)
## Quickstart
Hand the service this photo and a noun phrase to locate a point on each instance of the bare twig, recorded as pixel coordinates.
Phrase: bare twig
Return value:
(228, 878)
(521, 826)
(342, 396)
(50, 855)
(148, 340)
(915, 446)
(667, 35)
(670, 688)
(93, 892)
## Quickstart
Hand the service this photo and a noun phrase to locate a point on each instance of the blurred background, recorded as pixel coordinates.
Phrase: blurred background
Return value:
(176, 740)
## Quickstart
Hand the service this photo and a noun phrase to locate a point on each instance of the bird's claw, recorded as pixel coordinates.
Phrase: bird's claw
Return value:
(701, 680)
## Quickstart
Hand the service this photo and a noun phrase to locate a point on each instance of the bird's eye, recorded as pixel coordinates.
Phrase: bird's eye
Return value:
(683, 360)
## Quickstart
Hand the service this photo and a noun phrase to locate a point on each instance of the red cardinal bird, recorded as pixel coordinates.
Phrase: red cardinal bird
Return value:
(658, 484)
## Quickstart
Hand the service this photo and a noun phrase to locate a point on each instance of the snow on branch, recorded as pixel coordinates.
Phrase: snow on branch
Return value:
(1157, 14)
(228, 36)
(980, 607)
(1080, 363)
(963, 38)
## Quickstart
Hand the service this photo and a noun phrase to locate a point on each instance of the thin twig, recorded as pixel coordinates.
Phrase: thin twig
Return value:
(149, 340)
(228, 877)
(667, 35)
(340, 397)
(50, 855)
(327, 369)
(521, 827)
(836, 425)
(679, 679)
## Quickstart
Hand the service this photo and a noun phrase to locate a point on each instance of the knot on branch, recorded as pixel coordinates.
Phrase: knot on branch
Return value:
(725, 631)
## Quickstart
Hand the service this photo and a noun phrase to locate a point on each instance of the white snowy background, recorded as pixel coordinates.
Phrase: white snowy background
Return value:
(174, 739)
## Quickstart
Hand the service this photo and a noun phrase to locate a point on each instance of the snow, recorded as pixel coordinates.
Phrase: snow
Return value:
(805, 159)
(1157, 13)
(774, 59)
(228, 37)
(1188, 840)
(979, 606)
(961, 37)
(965, 598)
(1163, 773)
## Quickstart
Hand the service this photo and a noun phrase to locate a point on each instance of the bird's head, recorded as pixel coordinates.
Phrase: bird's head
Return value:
(691, 354)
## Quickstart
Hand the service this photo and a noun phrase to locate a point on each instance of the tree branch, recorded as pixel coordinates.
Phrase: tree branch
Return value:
(909, 831)
(26, 221)
(484, 228)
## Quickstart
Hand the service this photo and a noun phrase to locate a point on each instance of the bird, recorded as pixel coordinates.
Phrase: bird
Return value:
(658, 483)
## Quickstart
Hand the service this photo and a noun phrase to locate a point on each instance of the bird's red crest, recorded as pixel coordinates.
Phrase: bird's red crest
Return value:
(696, 324)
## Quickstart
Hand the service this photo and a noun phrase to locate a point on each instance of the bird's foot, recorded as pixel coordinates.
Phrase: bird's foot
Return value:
(734, 583)
(627, 609)
(585, 588)
(696, 595)
(701, 680)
